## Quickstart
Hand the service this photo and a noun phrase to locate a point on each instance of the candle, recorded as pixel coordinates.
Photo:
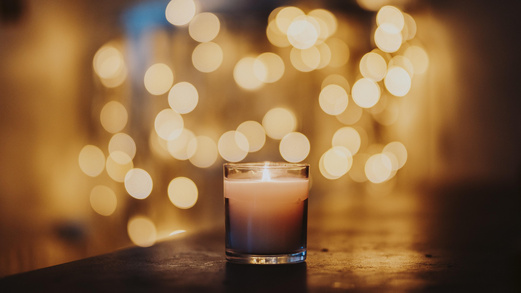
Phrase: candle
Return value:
(266, 212)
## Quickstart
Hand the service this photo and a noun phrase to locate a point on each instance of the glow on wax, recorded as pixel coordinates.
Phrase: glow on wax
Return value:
(266, 214)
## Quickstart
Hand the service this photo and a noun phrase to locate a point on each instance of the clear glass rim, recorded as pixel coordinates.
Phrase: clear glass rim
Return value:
(266, 165)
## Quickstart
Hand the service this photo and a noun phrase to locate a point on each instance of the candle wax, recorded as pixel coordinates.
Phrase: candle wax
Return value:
(266, 216)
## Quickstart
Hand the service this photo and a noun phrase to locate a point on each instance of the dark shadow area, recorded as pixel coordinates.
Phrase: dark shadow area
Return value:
(269, 278)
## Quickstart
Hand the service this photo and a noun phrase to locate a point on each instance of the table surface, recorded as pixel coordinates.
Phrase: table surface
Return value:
(465, 238)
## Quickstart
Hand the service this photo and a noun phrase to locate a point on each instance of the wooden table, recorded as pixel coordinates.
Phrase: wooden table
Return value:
(465, 238)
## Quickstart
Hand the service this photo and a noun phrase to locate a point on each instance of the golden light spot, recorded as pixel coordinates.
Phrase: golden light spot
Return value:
(204, 151)
(397, 81)
(347, 137)
(398, 149)
(255, 134)
(278, 122)
(244, 74)
(113, 117)
(389, 115)
(410, 24)
(122, 142)
(182, 192)
(180, 12)
(158, 79)
(418, 58)
(91, 160)
(339, 52)
(366, 93)
(402, 62)
(386, 39)
(286, 16)
(110, 66)
(373, 66)
(372, 5)
(275, 36)
(357, 172)
(294, 147)
(207, 57)
(328, 19)
(325, 55)
(268, 67)
(204, 27)
(305, 60)
(378, 168)
(351, 115)
(142, 231)
(138, 183)
(103, 200)
(303, 32)
(338, 80)
(391, 16)
(233, 146)
(336, 162)
(183, 97)
(333, 99)
(118, 164)
(178, 147)
(168, 124)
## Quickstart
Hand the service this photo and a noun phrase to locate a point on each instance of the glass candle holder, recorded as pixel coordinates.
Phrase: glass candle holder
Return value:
(266, 206)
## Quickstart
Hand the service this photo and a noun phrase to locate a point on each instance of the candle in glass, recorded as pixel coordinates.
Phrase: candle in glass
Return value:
(266, 212)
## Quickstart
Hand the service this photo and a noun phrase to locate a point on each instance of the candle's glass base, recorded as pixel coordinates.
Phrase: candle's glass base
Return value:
(266, 259)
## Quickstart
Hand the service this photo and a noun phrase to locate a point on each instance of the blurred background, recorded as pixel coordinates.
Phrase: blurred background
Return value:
(116, 116)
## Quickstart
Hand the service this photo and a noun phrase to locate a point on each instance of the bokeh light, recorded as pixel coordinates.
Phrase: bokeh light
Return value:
(305, 60)
(110, 66)
(286, 16)
(398, 149)
(113, 117)
(204, 151)
(178, 147)
(207, 57)
(333, 99)
(278, 122)
(327, 18)
(418, 58)
(91, 160)
(275, 36)
(378, 168)
(158, 79)
(403, 62)
(183, 97)
(182, 192)
(233, 146)
(138, 183)
(410, 26)
(397, 81)
(366, 93)
(254, 132)
(204, 27)
(335, 162)
(294, 147)
(142, 231)
(357, 171)
(103, 200)
(268, 67)
(325, 55)
(339, 52)
(347, 137)
(392, 17)
(373, 66)
(117, 165)
(336, 79)
(302, 32)
(387, 40)
(122, 142)
(180, 12)
(244, 74)
(168, 124)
